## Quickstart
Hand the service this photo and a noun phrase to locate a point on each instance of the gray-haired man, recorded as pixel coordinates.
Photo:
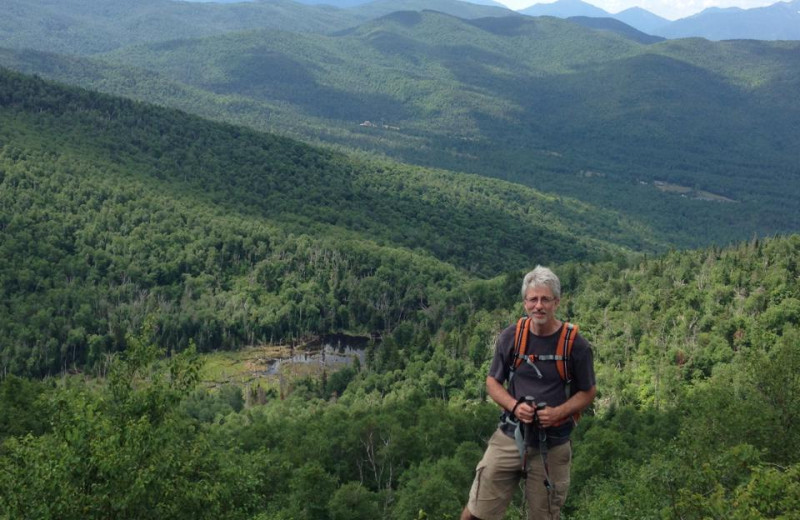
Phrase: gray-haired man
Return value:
(548, 372)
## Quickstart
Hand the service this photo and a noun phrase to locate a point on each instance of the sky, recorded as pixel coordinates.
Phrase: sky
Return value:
(671, 9)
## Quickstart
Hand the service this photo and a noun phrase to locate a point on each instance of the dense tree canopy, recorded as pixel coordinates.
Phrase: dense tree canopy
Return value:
(136, 239)
(694, 138)
(695, 416)
(113, 212)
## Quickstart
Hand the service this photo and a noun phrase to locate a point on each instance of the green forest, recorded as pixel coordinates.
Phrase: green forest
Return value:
(122, 266)
(114, 210)
(542, 102)
(199, 184)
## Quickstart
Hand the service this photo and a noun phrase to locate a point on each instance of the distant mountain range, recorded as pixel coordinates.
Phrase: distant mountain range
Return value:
(565, 9)
(86, 28)
(641, 19)
(779, 21)
(467, 10)
(616, 26)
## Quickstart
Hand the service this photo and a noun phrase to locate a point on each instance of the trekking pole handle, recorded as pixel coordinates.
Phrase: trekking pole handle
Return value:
(536, 407)
(528, 400)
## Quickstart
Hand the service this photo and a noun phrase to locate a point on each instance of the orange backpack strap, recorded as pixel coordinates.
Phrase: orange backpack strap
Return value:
(563, 353)
(520, 345)
(564, 350)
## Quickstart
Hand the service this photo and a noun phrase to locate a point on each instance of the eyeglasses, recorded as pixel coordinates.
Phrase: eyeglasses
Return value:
(544, 300)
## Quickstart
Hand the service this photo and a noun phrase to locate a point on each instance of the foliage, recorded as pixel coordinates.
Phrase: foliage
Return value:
(112, 212)
(692, 347)
(23, 407)
(675, 433)
(134, 237)
(84, 28)
(541, 102)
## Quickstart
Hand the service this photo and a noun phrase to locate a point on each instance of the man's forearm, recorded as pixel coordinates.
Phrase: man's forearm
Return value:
(575, 404)
(499, 394)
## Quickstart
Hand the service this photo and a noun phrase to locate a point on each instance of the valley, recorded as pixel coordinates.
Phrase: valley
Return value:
(256, 257)
(534, 101)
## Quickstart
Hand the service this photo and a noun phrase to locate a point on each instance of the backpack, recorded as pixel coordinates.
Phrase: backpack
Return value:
(562, 356)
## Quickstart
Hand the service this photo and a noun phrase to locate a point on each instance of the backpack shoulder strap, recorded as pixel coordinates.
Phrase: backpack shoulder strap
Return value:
(564, 350)
(563, 353)
(520, 343)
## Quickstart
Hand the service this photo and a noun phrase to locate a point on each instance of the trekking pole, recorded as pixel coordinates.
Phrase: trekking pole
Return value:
(543, 446)
(526, 430)
(527, 435)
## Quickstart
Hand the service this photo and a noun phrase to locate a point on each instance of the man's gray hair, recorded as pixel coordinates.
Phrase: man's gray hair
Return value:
(541, 276)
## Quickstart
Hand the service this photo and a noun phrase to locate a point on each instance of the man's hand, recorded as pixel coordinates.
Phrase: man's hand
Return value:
(549, 416)
(525, 412)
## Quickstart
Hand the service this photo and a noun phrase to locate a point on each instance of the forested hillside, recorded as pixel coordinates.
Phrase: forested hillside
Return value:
(694, 138)
(113, 211)
(84, 27)
(459, 8)
(245, 191)
(698, 369)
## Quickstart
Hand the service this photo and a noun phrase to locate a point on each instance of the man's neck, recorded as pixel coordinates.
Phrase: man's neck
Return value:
(545, 329)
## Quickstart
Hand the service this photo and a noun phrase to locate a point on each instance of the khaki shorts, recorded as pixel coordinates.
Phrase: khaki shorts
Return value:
(498, 475)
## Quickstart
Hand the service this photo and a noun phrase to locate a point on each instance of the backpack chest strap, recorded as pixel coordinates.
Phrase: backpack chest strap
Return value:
(531, 359)
(542, 357)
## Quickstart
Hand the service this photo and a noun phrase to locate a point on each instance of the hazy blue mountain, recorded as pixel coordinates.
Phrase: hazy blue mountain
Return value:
(779, 21)
(616, 26)
(487, 2)
(85, 27)
(565, 9)
(467, 10)
(336, 3)
(641, 19)
(399, 5)
(216, 1)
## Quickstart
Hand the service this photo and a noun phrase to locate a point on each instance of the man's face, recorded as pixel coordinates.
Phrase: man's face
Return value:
(541, 305)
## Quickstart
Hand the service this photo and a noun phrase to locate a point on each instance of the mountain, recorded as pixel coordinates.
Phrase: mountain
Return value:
(641, 19)
(400, 6)
(77, 27)
(487, 2)
(565, 9)
(779, 21)
(85, 28)
(615, 26)
(113, 211)
(137, 238)
(343, 4)
(674, 144)
(467, 10)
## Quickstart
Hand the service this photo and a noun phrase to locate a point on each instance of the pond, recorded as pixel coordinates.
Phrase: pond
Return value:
(327, 352)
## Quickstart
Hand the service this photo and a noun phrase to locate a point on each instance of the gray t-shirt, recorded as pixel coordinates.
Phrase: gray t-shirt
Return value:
(550, 387)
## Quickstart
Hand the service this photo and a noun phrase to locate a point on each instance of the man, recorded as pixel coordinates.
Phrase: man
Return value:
(543, 456)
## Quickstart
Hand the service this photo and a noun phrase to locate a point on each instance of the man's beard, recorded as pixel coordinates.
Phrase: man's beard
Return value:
(540, 319)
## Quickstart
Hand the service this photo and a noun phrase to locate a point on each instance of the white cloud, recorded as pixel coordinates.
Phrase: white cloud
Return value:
(671, 9)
